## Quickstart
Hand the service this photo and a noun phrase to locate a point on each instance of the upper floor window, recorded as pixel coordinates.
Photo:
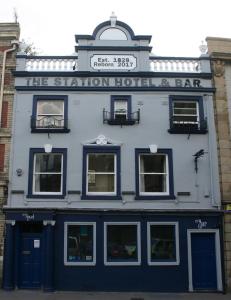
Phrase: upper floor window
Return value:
(154, 174)
(49, 114)
(101, 172)
(187, 114)
(47, 173)
(121, 111)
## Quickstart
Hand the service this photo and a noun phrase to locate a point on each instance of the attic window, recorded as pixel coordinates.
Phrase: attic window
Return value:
(113, 34)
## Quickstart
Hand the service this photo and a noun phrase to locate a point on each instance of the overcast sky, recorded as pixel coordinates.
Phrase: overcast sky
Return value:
(177, 26)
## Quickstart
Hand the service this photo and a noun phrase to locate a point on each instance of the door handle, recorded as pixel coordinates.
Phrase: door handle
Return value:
(25, 252)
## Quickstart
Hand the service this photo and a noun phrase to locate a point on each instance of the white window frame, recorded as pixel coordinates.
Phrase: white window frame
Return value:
(163, 263)
(123, 263)
(50, 115)
(102, 173)
(186, 115)
(218, 256)
(166, 175)
(47, 173)
(83, 263)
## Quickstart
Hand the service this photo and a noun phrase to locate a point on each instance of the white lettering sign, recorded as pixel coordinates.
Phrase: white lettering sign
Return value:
(201, 224)
(113, 62)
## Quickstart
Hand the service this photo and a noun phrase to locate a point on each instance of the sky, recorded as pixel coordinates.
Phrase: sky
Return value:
(177, 26)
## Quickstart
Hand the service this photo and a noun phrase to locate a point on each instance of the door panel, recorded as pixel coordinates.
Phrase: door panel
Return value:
(30, 261)
(204, 271)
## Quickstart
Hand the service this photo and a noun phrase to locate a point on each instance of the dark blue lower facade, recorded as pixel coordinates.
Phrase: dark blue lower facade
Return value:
(35, 255)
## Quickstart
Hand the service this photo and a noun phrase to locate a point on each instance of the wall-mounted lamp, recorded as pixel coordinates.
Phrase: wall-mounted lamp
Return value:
(153, 148)
(19, 172)
(197, 155)
(48, 148)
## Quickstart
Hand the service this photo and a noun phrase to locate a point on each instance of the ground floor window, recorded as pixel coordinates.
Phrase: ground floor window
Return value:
(122, 243)
(163, 243)
(80, 244)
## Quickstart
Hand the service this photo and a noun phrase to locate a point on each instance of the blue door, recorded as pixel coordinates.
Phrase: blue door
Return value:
(30, 270)
(204, 271)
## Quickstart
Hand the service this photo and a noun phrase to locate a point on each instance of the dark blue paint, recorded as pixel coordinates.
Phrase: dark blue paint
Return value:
(171, 195)
(124, 278)
(109, 278)
(198, 99)
(30, 266)
(38, 215)
(114, 89)
(112, 74)
(48, 285)
(31, 166)
(204, 273)
(113, 48)
(121, 98)
(62, 98)
(8, 262)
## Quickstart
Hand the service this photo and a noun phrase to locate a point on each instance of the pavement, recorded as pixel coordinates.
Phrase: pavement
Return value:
(39, 295)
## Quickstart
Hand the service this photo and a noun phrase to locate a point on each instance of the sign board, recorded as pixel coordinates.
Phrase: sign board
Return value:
(113, 62)
(109, 82)
(36, 243)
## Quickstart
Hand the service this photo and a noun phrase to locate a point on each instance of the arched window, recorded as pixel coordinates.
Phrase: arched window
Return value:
(113, 34)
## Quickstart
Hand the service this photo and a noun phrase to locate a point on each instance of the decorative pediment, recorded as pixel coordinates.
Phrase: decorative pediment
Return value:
(102, 140)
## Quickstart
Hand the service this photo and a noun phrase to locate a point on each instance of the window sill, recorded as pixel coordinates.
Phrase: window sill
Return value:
(46, 196)
(187, 131)
(50, 130)
(121, 122)
(155, 197)
(98, 197)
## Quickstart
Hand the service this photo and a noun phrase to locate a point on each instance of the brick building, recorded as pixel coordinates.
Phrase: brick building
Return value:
(9, 34)
(220, 51)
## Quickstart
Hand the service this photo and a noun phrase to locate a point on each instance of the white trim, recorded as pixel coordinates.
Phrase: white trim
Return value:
(166, 174)
(197, 115)
(110, 142)
(47, 173)
(68, 263)
(102, 173)
(163, 263)
(123, 263)
(218, 256)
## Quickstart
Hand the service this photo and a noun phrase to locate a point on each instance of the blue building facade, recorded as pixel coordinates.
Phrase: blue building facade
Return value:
(114, 173)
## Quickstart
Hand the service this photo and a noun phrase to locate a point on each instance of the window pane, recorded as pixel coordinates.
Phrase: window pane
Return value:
(162, 242)
(153, 183)
(101, 182)
(184, 111)
(80, 243)
(113, 34)
(122, 243)
(48, 162)
(50, 107)
(189, 119)
(50, 121)
(180, 104)
(101, 162)
(152, 163)
(120, 106)
(48, 183)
